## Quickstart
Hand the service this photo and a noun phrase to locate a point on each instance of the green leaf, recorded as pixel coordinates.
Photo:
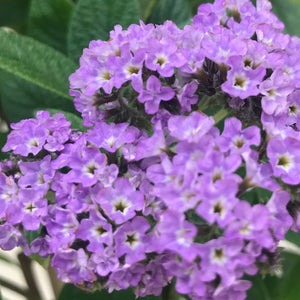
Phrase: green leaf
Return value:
(178, 11)
(13, 13)
(70, 292)
(32, 74)
(48, 22)
(31, 235)
(94, 19)
(288, 12)
(21, 98)
(293, 237)
(284, 287)
(257, 195)
(3, 138)
(195, 4)
(35, 63)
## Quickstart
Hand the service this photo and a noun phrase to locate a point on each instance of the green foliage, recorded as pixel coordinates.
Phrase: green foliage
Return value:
(94, 19)
(31, 235)
(13, 13)
(32, 75)
(35, 63)
(195, 4)
(48, 22)
(3, 137)
(284, 287)
(21, 98)
(178, 11)
(288, 12)
(257, 195)
(70, 292)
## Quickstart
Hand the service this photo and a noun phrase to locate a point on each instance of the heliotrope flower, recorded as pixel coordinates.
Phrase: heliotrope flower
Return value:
(188, 128)
(155, 93)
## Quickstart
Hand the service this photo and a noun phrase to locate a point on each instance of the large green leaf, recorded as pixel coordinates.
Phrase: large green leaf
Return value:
(21, 98)
(35, 63)
(178, 11)
(70, 292)
(93, 19)
(49, 20)
(284, 287)
(288, 12)
(32, 75)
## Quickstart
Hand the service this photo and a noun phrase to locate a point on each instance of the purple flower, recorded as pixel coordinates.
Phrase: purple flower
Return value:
(61, 229)
(242, 82)
(72, 266)
(163, 57)
(130, 239)
(154, 94)
(236, 139)
(252, 223)
(275, 91)
(123, 278)
(86, 166)
(217, 205)
(8, 193)
(221, 257)
(190, 128)
(40, 246)
(37, 174)
(285, 158)
(223, 45)
(187, 97)
(10, 237)
(104, 262)
(176, 234)
(27, 137)
(111, 136)
(121, 202)
(96, 230)
(281, 221)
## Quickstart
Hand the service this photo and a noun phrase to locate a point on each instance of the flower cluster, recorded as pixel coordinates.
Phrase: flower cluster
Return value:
(160, 187)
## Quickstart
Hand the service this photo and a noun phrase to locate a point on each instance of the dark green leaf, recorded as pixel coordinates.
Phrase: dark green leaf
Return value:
(257, 195)
(35, 63)
(284, 287)
(70, 292)
(21, 98)
(32, 75)
(93, 19)
(288, 12)
(49, 20)
(178, 11)
(293, 237)
(3, 138)
(32, 235)
(13, 13)
(195, 4)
